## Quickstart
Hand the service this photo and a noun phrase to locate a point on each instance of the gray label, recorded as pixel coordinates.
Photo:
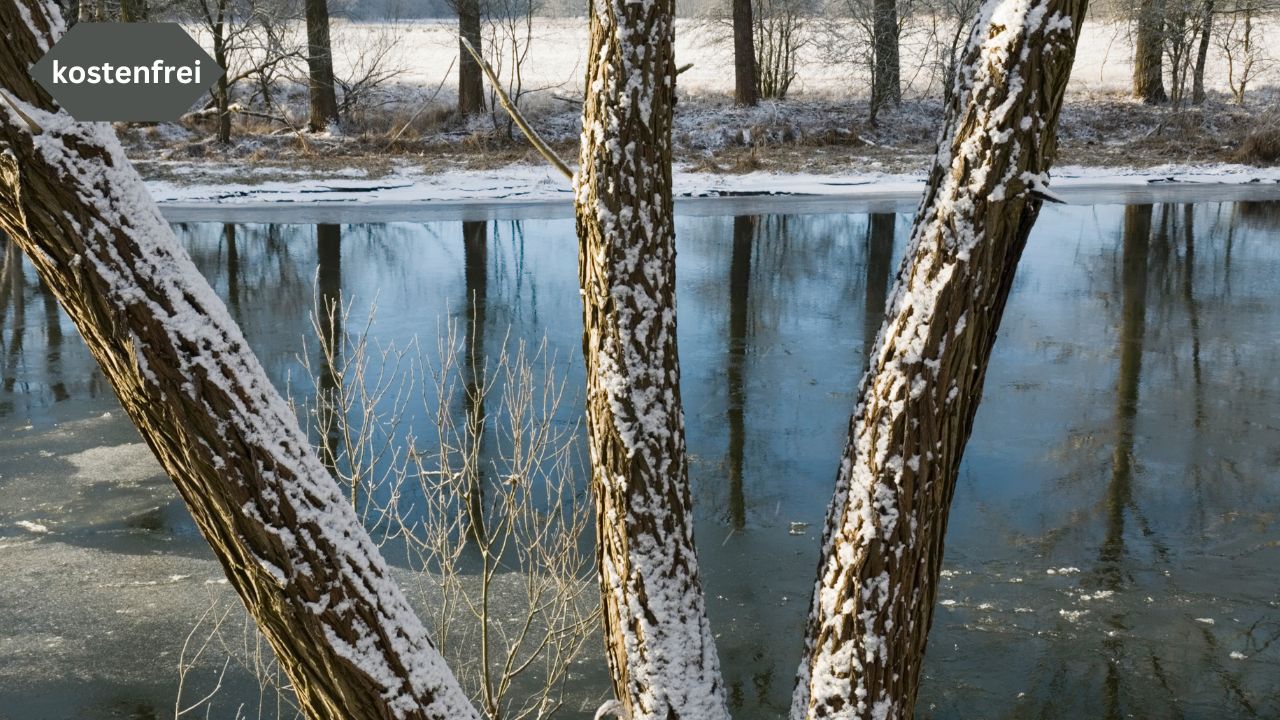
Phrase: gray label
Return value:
(126, 71)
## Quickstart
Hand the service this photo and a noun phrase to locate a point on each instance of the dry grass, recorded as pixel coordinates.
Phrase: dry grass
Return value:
(1260, 147)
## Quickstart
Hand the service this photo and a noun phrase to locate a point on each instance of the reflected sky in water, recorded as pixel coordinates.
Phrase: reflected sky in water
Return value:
(1115, 533)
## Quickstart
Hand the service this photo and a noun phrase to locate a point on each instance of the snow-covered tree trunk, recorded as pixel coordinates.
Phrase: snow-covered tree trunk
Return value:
(658, 643)
(290, 544)
(882, 546)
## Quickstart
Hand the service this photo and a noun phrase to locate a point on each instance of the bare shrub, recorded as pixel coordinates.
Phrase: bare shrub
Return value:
(488, 511)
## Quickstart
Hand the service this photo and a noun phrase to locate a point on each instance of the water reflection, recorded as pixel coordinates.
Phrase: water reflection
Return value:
(744, 232)
(1119, 492)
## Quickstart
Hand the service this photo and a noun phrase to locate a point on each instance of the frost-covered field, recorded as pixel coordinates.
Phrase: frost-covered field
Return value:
(820, 130)
(426, 50)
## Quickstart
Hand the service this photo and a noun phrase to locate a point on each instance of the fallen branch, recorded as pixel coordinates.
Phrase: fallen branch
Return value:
(538, 143)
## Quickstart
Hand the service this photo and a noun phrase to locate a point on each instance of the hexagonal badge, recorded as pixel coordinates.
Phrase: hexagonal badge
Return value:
(126, 71)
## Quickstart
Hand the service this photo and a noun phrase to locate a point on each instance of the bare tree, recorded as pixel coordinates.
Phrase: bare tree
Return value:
(470, 76)
(1148, 52)
(882, 547)
(886, 79)
(659, 646)
(320, 88)
(781, 32)
(745, 86)
(293, 549)
(1202, 52)
(1242, 45)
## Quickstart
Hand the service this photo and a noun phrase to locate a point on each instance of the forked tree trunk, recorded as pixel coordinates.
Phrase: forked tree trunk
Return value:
(291, 546)
(882, 547)
(659, 645)
(745, 86)
(1148, 53)
(323, 96)
(470, 76)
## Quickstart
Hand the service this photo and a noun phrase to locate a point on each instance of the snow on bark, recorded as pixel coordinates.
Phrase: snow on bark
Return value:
(659, 645)
(883, 541)
(290, 544)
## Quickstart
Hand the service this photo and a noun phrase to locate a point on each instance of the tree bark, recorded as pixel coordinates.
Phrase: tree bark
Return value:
(1148, 53)
(291, 547)
(133, 11)
(470, 76)
(221, 88)
(883, 541)
(746, 86)
(886, 77)
(1202, 53)
(659, 646)
(323, 96)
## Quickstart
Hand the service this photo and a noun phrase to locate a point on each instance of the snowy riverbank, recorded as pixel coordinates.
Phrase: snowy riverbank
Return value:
(408, 193)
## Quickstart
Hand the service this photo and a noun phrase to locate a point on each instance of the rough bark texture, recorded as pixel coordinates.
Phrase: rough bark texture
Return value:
(745, 88)
(1148, 53)
(659, 645)
(290, 545)
(323, 97)
(886, 77)
(470, 76)
(882, 547)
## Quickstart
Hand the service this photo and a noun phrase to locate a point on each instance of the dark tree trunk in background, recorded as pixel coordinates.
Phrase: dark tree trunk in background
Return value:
(320, 83)
(1133, 313)
(1148, 53)
(744, 231)
(475, 254)
(886, 77)
(1202, 53)
(291, 547)
(880, 227)
(330, 413)
(883, 541)
(221, 89)
(134, 11)
(470, 76)
(233, 270)
(745, 86)
(659, 646)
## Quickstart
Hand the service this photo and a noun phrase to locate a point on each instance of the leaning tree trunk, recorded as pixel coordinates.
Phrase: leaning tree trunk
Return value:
(1202, 53)
(745, 86)
(291, 546)
(470, 76)
(882, 548)
(323, 96)
(886, 77)
(659, 645)
(1148, 53)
